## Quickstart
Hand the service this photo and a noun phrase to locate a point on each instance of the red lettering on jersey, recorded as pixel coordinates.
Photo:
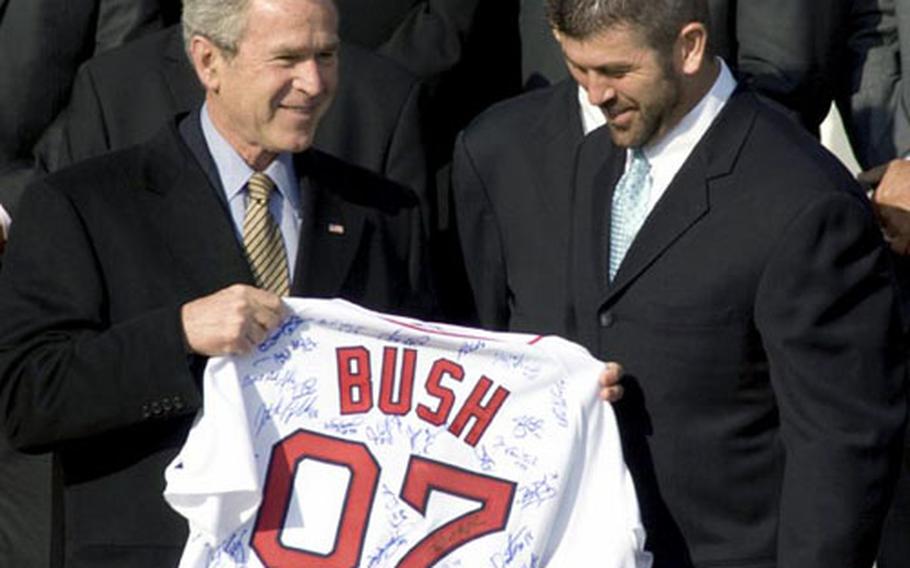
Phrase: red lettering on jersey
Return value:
(287, 455)
(405, 381)
(483, 415)
(434, 387)
(354, 375)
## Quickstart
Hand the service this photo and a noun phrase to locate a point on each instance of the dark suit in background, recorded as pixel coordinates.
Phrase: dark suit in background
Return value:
(101, 259)
(874, 97)
(511, 176)
(788, 50)
(756, 317)
(468, 51)
(43, 42)
(542, 63)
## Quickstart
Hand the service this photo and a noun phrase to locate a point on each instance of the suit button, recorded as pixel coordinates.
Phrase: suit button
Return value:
(166, 405)
(606, 318)
(156, 408)
(146, 413)
(178, 403)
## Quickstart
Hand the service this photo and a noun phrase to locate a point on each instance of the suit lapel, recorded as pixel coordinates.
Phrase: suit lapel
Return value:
(330, 231)
(190, 220)
(682, 205)
(598, 166)
(687, 199)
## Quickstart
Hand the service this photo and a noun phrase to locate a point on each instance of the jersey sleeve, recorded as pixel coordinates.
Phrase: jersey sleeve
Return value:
(213, 481)
(605, 518)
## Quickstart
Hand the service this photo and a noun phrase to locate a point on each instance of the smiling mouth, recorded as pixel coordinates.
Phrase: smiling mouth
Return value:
(613, 114)
(304, 109)
(619, 119)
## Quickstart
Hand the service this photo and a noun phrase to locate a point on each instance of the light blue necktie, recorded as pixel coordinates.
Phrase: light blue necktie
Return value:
(630, 207)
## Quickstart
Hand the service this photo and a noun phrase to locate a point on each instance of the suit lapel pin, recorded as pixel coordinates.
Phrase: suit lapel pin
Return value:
(336, 228)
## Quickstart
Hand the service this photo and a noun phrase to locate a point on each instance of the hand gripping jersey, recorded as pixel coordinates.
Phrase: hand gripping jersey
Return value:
(354, 439)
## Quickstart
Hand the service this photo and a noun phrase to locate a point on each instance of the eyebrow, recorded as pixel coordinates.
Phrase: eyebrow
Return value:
(292, 49)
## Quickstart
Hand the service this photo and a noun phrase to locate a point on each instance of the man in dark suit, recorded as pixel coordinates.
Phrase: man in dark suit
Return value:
(122, 97)
(754, 311)
(125, 272)
(735, 270)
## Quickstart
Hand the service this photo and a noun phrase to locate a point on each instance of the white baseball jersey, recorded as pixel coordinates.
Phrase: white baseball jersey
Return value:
(354, 439)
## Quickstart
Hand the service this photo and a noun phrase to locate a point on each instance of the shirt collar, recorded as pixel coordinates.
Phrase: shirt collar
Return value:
(234, 172)
(678, 143)
(592, 117)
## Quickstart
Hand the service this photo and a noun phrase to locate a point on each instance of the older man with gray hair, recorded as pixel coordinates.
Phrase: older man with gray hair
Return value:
(124, 273)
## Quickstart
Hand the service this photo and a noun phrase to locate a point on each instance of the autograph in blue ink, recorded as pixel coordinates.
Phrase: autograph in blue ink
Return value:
(538, 492)
(519, 544)
(234, 547)
(407, 339)
(470, 347)
(527, 426)
(344, 426)
(283, 355)
(487, 463)
(289, 326)
(558, 403)
(518, 456)
(300, 401)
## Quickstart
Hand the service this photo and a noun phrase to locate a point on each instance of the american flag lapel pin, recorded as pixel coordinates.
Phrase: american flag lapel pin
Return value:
(336, 228)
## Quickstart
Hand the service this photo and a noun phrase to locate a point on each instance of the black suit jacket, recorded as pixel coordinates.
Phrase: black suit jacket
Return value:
(512, 174)
(468, 52)
(43, 43)
(93, 363)
(874, 98)
(755, 315)
(789, 50)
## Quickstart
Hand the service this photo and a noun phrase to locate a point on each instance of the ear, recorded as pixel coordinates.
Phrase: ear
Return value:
(208, 60)
(691, 47)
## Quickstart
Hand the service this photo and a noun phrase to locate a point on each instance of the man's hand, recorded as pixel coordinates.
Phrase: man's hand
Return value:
(610, 389)
(230, 321)
(892, 201)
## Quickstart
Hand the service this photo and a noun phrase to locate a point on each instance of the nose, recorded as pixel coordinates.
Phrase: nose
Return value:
(309, 77)
(599, 88)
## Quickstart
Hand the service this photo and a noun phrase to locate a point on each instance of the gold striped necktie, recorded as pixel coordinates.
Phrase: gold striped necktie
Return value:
(262, 238)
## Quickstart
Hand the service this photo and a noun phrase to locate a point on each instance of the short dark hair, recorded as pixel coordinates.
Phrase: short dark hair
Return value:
(659, 20)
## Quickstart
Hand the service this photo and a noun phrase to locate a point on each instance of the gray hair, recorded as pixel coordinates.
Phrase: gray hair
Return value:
(221, 21)
(659, 20)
